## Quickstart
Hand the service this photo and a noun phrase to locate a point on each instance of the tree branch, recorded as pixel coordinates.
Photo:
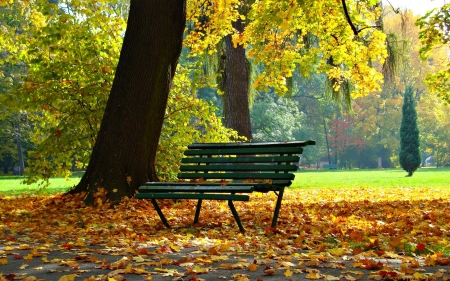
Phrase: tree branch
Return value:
(347, 16)
(372, 26)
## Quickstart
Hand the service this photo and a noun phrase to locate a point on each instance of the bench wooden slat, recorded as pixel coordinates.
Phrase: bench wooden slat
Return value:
(198, 168)
(250, 144)
(198, 188)
(245, 151)
(158, 195)
(188, 183)
(240, 176)
(263, 159)
(261, 187)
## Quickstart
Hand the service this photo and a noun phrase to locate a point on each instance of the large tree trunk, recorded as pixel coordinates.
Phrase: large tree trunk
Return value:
(236, 107)
(124, 153)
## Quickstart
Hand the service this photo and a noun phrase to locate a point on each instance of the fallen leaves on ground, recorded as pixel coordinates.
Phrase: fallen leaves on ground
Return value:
(385, 233)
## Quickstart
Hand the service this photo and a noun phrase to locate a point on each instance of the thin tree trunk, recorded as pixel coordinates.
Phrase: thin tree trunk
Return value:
(124, 153)
(326, 140)
(7, 160)
(19, 149)
(236, 107)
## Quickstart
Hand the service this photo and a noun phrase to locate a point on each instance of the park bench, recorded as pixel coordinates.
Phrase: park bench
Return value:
(229, 171)
(330, 166)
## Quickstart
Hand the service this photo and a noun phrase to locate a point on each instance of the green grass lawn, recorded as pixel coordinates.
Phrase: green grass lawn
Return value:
(423, 177)
(12, 185)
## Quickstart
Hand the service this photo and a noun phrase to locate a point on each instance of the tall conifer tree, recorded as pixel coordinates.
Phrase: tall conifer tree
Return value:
(409, 134)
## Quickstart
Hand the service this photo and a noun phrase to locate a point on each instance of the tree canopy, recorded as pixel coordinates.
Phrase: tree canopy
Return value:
(434, 37)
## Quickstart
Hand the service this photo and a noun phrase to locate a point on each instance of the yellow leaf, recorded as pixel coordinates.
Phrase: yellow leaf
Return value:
(79, 242)
(128, 268)
(219, 258)
(140, 271)
(69, 277)
(284, 25)
(115, 190)
(24, 247)
(138, 259)
(224, 248)
(99, 201)
(199, 270)
(288, 273)
(3, 261)
(28, 257)
(314, 275)
(337, 251)
(23, 266)
(9, 248)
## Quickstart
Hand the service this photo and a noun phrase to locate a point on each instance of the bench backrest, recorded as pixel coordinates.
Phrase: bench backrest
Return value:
(266, 163)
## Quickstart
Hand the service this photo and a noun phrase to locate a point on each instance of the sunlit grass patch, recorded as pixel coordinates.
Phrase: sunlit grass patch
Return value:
(12, 185)
(423, 177)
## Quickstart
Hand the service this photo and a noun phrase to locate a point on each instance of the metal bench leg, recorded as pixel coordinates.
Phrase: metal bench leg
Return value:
(161, 215)
(277, 207)
(236, 216)
(197, 211)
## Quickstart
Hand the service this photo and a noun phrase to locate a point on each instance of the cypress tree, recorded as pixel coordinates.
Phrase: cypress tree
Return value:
(409, 134)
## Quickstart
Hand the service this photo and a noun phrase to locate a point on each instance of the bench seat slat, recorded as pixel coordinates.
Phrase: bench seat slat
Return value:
(251, 144)
(211, 196)
(198, 188)
(255, 159)
(245, 151)
(240, 176)
(260, 187)
(211, 183)
(198, 168)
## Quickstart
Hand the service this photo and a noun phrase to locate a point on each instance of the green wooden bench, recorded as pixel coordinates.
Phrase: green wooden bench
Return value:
(330, 166)
(229, 171)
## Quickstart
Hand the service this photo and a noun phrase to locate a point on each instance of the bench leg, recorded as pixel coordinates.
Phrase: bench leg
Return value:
(197, 211)
(161, 215)
(236, 216)
(277, 207)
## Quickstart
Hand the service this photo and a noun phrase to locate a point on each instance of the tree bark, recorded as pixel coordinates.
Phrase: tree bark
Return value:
(124, 152)
(237, 72)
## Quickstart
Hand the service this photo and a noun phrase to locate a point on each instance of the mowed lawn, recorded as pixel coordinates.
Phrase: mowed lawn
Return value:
(386, 178)
(389, 178)
(12, 185)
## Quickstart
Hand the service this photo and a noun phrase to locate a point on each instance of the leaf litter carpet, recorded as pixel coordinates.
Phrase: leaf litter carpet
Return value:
(322, 234)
